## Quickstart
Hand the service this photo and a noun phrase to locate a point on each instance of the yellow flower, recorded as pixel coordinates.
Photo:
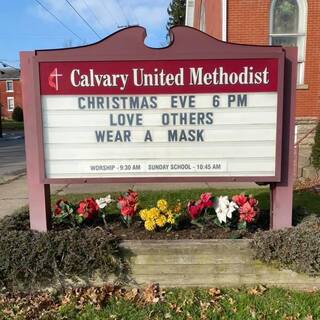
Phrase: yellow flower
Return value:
(153, 213)
(161, 221)
(170, 219)
(162, 204)
(143, 214)
(150, 224)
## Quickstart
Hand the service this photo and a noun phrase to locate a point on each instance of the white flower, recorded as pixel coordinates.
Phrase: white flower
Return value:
(224, 209)
(103, 202)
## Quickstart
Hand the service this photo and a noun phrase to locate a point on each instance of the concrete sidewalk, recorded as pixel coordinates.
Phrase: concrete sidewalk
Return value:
(14, 194)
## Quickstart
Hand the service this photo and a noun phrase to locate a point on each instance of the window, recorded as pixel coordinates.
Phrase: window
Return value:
(202, 26)
(288, 21)
(9, 85)
(10, 102)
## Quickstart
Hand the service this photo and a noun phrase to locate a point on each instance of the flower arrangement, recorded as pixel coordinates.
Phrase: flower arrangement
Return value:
(224, 209)
(239, 211)
(247, 208)
(196, 208)
(161, 216)
(242, 210)
(103, 204)
(128, 204)
(87, 210)
(63, 211)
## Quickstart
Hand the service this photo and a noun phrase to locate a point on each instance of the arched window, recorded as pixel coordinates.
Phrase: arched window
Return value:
(202, 26)
(288, 24)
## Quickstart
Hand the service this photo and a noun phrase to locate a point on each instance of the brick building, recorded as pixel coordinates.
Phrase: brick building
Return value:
(10, 91)
(273, 22)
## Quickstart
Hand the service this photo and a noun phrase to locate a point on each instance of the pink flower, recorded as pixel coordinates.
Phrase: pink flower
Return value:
(247, 212)
(240, 199)
(194, 210)
(122, 201)
(205, 198)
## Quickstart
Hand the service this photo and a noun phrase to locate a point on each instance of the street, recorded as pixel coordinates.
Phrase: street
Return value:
(12, 155)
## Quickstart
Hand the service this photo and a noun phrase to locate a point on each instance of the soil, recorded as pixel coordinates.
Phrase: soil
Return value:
(137, 232)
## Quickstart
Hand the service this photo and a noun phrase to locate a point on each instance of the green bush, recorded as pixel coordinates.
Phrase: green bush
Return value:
(31, 259)
(295, 248)
(17, 114)
(315, 155)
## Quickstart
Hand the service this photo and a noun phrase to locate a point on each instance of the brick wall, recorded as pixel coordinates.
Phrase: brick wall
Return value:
(213, 18)
(16, 94)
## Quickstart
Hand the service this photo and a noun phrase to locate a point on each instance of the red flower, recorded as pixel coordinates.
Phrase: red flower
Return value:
(194, 209)
(247, 212)
(127, 211)
(205, 199)
(57, 211)
(133, 195)
(252, 201)
(58, 207)
(128, 203)
(87, 208)
(240, 199)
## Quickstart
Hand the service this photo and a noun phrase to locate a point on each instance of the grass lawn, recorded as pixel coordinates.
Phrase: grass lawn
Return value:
(12, 125)
(235, 304)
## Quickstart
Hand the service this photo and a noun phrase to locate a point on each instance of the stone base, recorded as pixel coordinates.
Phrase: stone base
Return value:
(206, 263)
(303, 167)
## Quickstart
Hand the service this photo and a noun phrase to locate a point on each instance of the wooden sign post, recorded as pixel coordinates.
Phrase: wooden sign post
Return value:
(198, 110)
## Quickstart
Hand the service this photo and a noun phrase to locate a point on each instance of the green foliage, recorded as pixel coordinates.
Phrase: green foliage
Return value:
(315, 155)
(17, 114)
(296, 248)
(29, 259)
(176, 12)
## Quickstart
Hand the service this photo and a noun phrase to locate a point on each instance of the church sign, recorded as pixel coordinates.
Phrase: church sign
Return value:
(118, 111)
(213, 118)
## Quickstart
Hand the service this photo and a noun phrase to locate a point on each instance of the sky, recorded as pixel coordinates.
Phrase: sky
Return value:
(25, 25)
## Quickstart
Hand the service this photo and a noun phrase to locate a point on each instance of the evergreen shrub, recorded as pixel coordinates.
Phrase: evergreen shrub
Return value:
(17, 114)
(30, 260)
(296, 248)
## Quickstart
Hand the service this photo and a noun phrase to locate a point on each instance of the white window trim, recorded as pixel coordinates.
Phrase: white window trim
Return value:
(7, 81)
(301, 34)
(202, 18)
(224, 19)
(189, 20)
(8, 104)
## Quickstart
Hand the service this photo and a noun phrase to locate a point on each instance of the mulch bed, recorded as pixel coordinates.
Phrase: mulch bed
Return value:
(209, 231)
